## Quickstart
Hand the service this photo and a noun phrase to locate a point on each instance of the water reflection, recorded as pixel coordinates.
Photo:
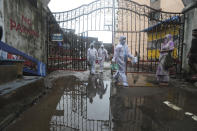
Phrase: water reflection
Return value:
(89, 107)
(98, 94)
(91, 88)
(100, 88)
(148, 113)
(83, 107)
(96, 87)
(125, 113)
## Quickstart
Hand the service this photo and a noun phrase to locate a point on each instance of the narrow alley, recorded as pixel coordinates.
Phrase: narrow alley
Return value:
(98, 65)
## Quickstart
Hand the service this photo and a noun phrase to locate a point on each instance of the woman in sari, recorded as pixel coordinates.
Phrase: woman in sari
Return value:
(162, 73)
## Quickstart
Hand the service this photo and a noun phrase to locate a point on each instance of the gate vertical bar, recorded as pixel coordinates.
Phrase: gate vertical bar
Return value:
(47, 42)
(131, 33)
(135, 29)
(139, 43)
(144, 39)
(183, 25)
(113, 25)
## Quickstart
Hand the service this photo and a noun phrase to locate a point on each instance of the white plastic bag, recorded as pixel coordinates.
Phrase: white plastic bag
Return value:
(134, 60)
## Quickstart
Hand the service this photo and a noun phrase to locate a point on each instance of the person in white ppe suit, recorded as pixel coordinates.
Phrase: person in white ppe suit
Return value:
(121, 55)
(92, 55)
(102, 55)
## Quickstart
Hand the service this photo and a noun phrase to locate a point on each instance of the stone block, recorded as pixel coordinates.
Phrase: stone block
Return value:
(8, 73)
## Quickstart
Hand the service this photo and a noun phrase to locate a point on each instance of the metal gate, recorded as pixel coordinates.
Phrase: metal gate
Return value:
(144, 27)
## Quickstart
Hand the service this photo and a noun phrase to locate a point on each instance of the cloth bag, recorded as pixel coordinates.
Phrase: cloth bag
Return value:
(169, 61)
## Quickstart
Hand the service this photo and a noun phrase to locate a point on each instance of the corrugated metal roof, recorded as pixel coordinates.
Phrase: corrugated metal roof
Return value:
(174, 18)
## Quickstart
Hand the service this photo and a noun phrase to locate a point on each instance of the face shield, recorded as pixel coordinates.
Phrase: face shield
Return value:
(122, 40)
(102, 46)
(92, 45)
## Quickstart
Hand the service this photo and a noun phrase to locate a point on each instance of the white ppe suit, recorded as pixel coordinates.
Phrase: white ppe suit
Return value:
(92, 55)
(121, 55)
(102, 55)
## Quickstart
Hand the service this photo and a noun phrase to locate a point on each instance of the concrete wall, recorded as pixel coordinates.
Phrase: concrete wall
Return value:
(25, 27)
(168, 5)
(2, 18)
(155, 4)
(172, 5)
(190, 24)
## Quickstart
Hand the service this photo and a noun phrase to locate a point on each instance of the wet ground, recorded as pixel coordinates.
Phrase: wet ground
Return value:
(97, 104)
(13, 85)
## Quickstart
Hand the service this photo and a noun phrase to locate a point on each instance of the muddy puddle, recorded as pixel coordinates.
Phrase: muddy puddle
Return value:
(83, 107)
(99, 105)
(153, 109)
